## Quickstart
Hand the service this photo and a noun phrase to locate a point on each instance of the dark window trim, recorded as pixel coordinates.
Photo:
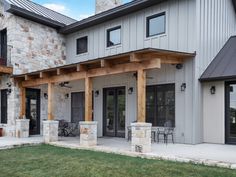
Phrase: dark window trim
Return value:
(155, 87)
(4, 121)
(108, 35)
(148, 24)
(77, 52)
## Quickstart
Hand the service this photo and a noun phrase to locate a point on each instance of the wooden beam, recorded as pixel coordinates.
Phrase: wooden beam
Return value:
(50, 101)
(43, 75)
(105, 63)
(22, 102)
(134, 58)
(81, 67)
(88, 99)
(141, 95)
(116, 69)
(6, 69)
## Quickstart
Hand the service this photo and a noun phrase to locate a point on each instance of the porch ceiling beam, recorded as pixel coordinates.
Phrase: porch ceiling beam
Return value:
(43, 75)
(135, 57)
(6, 70)
(81, 67)
(105, 63)
(115, 69)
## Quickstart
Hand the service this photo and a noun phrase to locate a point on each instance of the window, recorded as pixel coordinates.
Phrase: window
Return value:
(82, 45)
(3, 47)
(114, 36)
(156, 24)
(160, 104)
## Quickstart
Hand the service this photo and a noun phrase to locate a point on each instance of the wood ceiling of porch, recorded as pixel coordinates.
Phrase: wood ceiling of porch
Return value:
(122, 63)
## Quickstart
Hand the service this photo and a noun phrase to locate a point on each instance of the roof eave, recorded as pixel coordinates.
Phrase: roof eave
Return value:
(117, 12)
(33, 17)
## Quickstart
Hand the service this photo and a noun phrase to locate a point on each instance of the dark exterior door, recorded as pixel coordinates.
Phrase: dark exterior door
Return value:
(230, 115)
(160, 104)
(77, 107)
(4, 106)
(33, 110)
(114, 112)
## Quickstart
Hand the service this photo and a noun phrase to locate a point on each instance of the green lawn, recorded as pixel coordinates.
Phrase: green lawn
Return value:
(49, 161)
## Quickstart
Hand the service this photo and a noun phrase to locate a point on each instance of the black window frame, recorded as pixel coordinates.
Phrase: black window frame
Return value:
(155, 89)
(77, 45)
(108, 36)
(148, 24)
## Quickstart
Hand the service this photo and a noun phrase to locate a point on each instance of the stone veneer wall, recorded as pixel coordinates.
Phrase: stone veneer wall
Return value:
(31, 47)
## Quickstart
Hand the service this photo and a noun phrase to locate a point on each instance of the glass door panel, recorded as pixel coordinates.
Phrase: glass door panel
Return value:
(114, 112)
(110, 113)
(121, 112)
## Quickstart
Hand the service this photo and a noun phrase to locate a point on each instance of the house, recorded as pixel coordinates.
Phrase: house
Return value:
(140, 64)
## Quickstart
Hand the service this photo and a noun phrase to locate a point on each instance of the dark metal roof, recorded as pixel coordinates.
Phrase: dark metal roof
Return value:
(223, 67)
(119, 11)
(38, 13)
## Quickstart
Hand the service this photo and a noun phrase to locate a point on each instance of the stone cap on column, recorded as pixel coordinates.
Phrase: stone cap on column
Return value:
(141, 124)
(88, 123)
(50, 122)
(22, 120)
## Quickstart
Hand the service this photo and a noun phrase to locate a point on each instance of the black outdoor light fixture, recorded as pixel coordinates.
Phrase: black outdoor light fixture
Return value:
(96, 93)
(213, 90)
(67, 95)
(130, 90)
(179, 66)
(9, 84)
(183, 87)
(45, 95)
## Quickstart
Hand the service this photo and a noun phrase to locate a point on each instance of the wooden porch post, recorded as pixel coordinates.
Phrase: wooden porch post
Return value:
(141, 95)
(50, 101)
(22, 100)
(88, 99)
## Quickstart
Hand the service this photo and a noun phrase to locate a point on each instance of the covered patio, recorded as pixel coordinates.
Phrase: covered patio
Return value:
(137, 62)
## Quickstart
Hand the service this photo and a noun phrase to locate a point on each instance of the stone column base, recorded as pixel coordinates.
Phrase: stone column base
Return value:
(141, 137)
(22, 128)
(88, 133)
(50, 131)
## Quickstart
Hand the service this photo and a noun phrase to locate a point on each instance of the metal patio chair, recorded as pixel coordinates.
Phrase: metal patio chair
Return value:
(166, 131)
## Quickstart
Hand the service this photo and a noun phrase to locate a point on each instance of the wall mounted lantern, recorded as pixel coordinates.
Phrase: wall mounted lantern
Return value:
(183, 87)
(96, 93)
(67, 96)
(45, 95)
(213, 90)
(130, 90)
(9, 84)
(179, 66)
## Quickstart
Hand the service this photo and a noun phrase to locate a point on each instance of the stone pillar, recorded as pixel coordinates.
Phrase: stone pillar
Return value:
(22, 128)
(50, 131)
(141, 137)
(88, 133)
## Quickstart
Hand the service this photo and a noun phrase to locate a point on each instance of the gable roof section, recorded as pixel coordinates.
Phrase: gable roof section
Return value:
(223, 67)
(111, 14)
(37, 13)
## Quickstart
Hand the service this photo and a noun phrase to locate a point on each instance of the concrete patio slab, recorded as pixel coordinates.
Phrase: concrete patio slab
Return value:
(10, 142)
(207, 154)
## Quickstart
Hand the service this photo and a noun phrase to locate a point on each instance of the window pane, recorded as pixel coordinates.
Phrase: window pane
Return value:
(82, 45)
(156, 25)
(114, 37)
